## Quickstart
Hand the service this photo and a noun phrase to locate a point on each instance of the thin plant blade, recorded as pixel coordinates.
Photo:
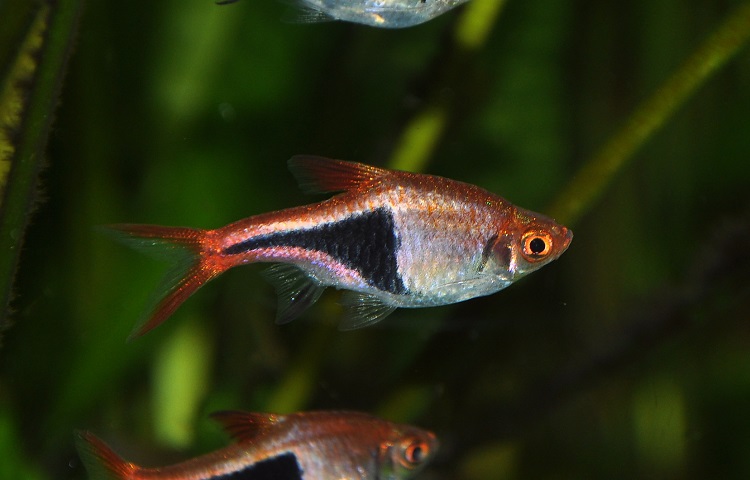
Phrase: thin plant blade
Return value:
(29, 95)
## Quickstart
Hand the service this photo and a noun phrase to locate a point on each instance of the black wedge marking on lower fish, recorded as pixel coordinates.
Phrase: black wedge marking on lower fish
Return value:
(284, 466)
(365, 242)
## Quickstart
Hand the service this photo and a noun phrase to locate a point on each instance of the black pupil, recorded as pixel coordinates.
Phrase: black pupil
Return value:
(416, 454)
(537, 246)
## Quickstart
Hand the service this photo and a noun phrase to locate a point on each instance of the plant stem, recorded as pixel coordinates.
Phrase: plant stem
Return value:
(44, 65)
(423, 131)
(596, 175)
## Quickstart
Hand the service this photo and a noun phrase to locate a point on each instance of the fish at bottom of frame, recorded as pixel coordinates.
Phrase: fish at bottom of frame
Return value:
(320, 445)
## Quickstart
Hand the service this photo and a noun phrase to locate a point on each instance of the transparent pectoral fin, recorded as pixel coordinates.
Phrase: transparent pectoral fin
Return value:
(497, 256)
(296, 291)
(361, 310)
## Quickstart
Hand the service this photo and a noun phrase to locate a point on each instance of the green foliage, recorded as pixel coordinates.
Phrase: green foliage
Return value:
(624, 359)
(42, 35)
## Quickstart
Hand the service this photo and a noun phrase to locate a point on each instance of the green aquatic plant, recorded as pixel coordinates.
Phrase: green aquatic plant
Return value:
(595, 175)
(37, 49)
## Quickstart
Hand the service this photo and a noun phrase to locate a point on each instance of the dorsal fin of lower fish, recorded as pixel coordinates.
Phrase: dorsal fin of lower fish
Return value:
(245, 426)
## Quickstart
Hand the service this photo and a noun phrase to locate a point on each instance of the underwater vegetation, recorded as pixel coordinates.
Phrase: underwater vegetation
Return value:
(625, 121)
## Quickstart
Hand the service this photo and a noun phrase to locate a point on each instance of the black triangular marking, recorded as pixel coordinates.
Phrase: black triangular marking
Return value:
(366, 242)
(282, 467)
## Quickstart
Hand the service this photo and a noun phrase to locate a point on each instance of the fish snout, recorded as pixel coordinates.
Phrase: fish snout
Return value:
(565, 236)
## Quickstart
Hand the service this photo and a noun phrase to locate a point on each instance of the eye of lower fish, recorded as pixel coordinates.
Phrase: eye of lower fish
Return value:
(415, 453)
(536, 245)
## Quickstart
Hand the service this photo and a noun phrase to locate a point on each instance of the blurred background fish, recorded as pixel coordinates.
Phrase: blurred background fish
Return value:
(376, 13)
(300, 446)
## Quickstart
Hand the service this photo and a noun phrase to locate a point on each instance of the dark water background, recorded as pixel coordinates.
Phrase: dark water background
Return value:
(627, 358)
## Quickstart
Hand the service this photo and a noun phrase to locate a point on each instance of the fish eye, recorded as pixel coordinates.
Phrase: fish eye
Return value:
(536, 245)
(415, 452)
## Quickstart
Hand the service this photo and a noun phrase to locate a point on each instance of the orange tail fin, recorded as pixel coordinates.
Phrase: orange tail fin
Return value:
(100, 461)
(194, 266)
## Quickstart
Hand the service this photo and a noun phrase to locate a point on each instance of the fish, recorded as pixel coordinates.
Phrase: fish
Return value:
(316, 445)
(375, 13)
(391, 239)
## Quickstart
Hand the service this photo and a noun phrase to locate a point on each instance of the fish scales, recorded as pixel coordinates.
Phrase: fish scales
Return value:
(392, 239)
(435, 230)
(453, 226)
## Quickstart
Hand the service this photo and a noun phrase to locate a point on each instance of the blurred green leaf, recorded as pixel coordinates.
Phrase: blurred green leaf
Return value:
(660, 427)
(419, 139)
(476, 22)
(181, 379)
(500, 459)
(15, 463)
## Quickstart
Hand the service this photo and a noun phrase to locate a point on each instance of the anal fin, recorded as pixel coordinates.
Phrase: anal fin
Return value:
(296, 291)
(362, 309)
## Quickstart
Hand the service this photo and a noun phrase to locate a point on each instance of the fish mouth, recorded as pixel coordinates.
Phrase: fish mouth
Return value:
(567, 235)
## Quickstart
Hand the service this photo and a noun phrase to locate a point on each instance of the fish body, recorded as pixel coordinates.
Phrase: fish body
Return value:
(376, 13)
(390, 239)
(301, 446)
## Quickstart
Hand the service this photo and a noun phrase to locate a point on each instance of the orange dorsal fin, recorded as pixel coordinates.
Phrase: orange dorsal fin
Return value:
(245, 426)
(323, 175)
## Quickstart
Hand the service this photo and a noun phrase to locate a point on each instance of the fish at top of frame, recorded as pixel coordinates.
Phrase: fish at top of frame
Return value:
(301, 446)
(391, 239)
(375, 13)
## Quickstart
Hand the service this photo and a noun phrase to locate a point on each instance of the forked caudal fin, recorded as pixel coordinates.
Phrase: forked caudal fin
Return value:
(194, 265)
(100, 461)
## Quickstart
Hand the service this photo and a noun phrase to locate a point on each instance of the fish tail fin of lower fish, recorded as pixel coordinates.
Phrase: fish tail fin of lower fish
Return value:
(101, 462)
(194, 266)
